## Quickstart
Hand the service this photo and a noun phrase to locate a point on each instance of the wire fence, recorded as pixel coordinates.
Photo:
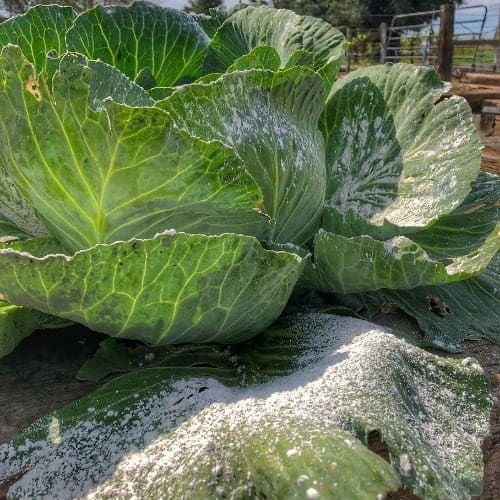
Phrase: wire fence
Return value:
(413, 38)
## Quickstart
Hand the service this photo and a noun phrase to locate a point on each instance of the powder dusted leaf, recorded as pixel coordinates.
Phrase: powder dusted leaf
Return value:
(270, 119)
(18, 218)
(107, 82)
(395, 161)
(117, 172)
(167, 42)
(455, 247)
(449, 314)
(468, 226)
(174, 288)
(189, 433)
(361, 263)
(290, 461)
(291, 35)
(40, 31)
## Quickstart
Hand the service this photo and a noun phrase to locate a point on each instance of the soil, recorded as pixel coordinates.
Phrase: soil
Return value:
(39, 376)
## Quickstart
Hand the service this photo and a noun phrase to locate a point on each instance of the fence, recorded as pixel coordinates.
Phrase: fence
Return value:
(465, 38)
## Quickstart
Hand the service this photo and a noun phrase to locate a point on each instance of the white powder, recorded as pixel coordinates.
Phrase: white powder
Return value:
(405, 464)
(346, 376)
(312, 493)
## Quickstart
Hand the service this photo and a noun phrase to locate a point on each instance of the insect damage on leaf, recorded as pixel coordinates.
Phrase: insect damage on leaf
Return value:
(33, 88)
(437, 306)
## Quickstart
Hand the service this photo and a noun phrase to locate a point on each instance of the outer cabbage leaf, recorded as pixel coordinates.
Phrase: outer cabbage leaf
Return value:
(40, 31)
(38, 247)
(455, 247)
(17, 323)
(292, 36)
(113, 357)
(261, 57)
(395, 161)
(118, 172)
(212, 22)
(468, 226)
(193, 432)
(174, 288)
(271, 121)
(449, 314)
(361, 263)
(166, 44)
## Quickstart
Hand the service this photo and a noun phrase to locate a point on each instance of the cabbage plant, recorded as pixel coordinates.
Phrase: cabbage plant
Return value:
(174, 179)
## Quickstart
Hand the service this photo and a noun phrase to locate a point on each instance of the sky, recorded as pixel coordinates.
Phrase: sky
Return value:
(179, 4)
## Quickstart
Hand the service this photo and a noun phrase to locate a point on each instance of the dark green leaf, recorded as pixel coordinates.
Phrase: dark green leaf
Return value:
(290, 35)
(452, 313)
(166, 41)
(40, 31)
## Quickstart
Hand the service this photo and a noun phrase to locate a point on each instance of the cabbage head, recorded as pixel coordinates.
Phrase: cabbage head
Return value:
(171, 178)
(207, 186)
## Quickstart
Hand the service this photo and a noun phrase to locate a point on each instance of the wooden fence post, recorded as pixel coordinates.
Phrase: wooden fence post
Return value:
(497, 48)
(445, 54)
(382, 30)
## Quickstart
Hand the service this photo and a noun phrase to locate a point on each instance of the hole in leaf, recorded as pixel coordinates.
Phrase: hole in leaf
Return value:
(7, 483)
(377, 445)
(437, 307)
(202, 365)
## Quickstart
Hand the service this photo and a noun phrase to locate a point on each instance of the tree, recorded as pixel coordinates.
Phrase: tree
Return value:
(13, 7)
(202, 6)
(358, 13)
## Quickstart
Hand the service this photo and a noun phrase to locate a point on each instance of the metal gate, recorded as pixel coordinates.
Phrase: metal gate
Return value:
(413, 37)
